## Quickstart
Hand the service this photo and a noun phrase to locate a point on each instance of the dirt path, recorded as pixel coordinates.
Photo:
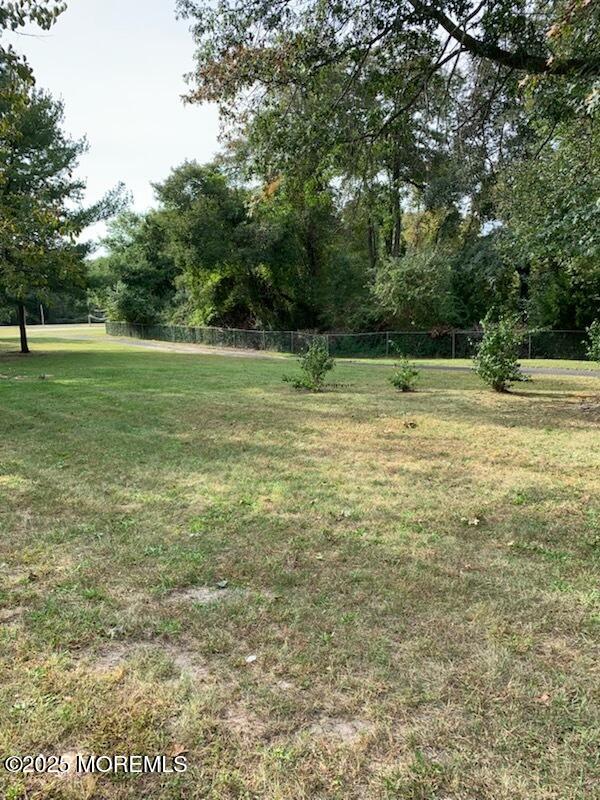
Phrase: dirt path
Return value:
(198, 349)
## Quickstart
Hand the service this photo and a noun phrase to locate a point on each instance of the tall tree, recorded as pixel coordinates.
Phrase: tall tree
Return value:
(139, 273)
(41, 211)
(246, 257)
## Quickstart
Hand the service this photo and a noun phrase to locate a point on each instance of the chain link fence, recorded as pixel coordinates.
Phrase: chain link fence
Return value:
(413, 344)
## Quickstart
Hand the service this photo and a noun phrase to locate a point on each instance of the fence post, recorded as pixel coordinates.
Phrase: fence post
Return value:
(387, 343)
(234, 337)
(453, 343)
(529, 345)
(264, 340)
(292, 342)
(327, 342)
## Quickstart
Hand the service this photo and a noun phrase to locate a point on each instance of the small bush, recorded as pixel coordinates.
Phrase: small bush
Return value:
(593, 341)
(404, 376)
(315, 363)
(496, 361)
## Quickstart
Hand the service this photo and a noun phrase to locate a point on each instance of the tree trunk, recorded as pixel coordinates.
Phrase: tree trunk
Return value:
(313, 260)
(396, 232)
(23, 329)
(372, 242)
(396, 244)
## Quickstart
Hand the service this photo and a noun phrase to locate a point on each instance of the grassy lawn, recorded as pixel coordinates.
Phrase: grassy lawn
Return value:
(416, 576)
(546, 363)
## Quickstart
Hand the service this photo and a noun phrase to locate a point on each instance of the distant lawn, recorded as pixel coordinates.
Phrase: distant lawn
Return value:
(417, 576)
(546, 363)
(57, 334)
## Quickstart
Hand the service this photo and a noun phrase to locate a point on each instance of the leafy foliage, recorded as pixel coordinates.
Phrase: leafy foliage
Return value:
(15, 15)
(128, 303)
(135, 282)
(552, 215)
(415, 289)
(404, 376)
(593, 348)
(465, 115)
(405, 165)
(496, 361)
(315, 363)
(240, 44)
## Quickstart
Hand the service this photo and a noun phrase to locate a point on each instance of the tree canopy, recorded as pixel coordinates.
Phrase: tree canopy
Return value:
(399, 140)
(416, 163)
(277, 43)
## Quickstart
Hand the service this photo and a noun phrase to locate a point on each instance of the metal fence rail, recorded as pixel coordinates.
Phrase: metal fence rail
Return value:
(414, 344)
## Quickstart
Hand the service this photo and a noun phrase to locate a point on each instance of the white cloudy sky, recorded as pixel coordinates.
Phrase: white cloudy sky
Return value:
(118, 65)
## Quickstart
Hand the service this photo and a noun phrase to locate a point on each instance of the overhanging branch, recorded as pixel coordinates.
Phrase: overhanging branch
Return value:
(519, 60)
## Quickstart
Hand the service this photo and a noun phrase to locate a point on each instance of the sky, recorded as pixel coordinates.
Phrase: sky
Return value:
(118, 66)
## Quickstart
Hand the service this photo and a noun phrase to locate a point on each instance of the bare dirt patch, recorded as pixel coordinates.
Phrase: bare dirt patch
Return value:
(204, 595)
(285, 686)
(243, 722)
(187, 661)
(70, 758)
(111, 657)
(11, 614)
(12, 578)
(115, 656)
(340, 728)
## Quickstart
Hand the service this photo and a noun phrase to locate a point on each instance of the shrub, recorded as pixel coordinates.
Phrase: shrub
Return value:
(593, 341)
(315, 363)
(404, 376)
(496, 361)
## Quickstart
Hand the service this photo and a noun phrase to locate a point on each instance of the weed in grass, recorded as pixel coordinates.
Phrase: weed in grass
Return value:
(404, 376)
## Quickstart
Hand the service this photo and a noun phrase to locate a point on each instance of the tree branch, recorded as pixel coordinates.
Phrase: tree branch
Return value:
(519, 60)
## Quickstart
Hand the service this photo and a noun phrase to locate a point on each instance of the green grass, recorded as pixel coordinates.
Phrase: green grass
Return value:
(417, 576)
(546, 363)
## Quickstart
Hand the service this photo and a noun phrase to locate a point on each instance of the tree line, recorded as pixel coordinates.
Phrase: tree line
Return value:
(384, 165)
(396, 164)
